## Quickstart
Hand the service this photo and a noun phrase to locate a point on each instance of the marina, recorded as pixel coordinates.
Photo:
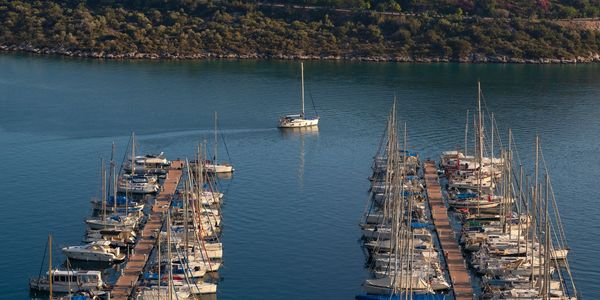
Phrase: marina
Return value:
(402, 257)
(293, 190)
(130, 239)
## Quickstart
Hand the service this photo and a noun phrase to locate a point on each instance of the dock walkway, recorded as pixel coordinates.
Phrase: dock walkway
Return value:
(459, 276)
(146, 242)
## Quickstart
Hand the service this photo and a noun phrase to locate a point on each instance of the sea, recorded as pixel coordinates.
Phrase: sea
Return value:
(292, 207)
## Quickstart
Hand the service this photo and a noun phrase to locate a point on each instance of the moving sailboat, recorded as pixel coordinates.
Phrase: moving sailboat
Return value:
(298, 120)
(214, 166)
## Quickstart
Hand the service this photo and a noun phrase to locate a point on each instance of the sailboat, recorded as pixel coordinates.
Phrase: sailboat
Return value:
(134, 183)
(214, 166)
(298, 120)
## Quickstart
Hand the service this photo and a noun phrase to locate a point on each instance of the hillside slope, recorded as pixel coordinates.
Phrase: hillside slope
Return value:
(200, 29)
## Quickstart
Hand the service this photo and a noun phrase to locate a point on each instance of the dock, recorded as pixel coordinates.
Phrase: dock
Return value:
(136, 261)
(455, 261)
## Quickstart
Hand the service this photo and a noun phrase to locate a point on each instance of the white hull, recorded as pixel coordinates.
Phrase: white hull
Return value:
(210, 250)
(97, 251)
(146, 189)
(60, 287)
(384, 286)
(68, 282)
(297, 123)
(225, 168)
(102, 257)
(156, 293)
(472, 204)
(119, 209)
(559, 253)
(203, 288)
(99, 224)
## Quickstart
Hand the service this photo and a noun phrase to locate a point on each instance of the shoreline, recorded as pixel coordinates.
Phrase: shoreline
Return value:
(473, 58)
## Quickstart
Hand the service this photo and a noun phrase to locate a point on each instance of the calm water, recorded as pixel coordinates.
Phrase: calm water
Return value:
(292, 208)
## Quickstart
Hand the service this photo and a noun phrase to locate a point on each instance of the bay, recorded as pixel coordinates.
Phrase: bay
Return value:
(293, 205)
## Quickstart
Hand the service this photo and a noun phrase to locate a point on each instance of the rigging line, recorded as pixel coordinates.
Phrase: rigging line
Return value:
(381, 141)
(125, 155)
(185, 264)
(226, 149)
(554, 205)
(43, 260)
(313, 102)
(488, 113)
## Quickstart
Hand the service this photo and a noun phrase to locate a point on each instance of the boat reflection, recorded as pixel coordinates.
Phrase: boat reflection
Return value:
(299, 132)
(225, 176)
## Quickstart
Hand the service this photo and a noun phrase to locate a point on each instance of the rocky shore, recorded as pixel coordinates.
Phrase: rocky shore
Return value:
(472, 58)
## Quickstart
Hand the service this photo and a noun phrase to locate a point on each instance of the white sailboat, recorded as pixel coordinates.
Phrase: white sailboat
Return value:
(298, 120)
(214, 166)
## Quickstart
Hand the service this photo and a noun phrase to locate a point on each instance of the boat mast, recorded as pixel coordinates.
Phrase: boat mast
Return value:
(302, 90)
(547, 241)
(114, 178)
(132, 153)
(466, 134)
(492, 156)
(159, 262)
(112, 167)
(50, 277)
(510, 187)
(186, 192)
(170, 264)
(103, 176)
(521, 203)
(215, 162)
(103, 188)
(480, 140)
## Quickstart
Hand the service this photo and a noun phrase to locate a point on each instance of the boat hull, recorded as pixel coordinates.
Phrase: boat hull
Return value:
(297, 123)
(74, 287)
(85, 256)
(219, 168)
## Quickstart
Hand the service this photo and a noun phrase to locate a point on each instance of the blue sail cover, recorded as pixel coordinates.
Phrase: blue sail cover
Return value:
(409, 153)
(418, 225)
(464, 196)
(399, 297)
(121, 201)
(150, 276)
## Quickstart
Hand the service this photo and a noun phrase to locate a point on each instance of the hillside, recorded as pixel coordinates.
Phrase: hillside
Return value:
(407, 30)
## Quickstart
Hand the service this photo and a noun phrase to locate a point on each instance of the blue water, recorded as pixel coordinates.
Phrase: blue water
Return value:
(292, 208)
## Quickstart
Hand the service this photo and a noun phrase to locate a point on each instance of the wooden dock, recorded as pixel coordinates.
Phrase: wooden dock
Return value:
(146, 237)
(459, 276)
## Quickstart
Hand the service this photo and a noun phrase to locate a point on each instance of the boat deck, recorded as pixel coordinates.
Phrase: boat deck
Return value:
(456, 265)
(137, 260)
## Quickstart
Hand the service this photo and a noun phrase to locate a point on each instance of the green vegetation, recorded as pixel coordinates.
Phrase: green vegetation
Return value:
(447, 29)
